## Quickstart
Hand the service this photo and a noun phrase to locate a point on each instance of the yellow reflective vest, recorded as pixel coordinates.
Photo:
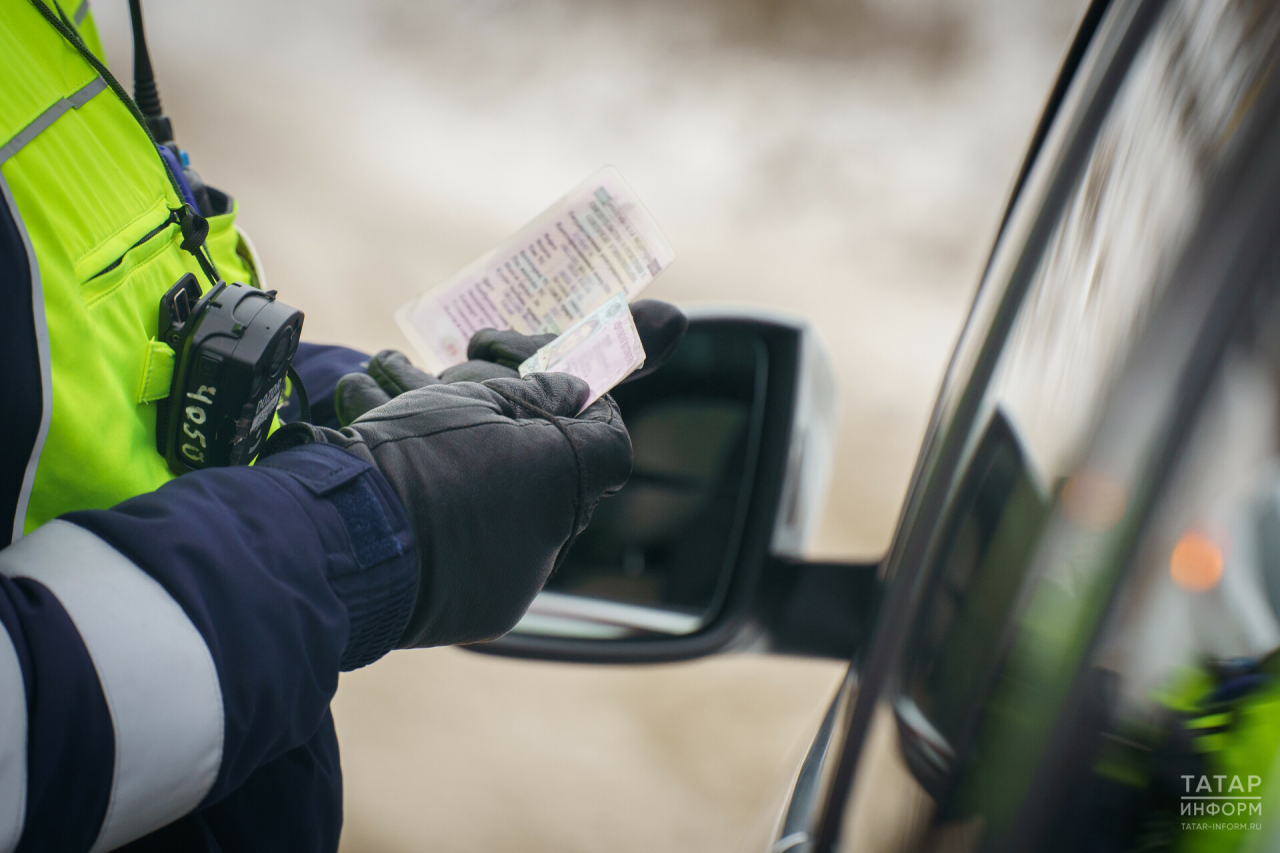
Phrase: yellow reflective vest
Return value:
(94, 202)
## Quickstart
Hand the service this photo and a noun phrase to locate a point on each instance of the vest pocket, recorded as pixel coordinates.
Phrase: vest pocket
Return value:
(159, 239)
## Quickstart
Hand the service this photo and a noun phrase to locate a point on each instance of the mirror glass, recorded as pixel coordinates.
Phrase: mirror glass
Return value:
(657, 557)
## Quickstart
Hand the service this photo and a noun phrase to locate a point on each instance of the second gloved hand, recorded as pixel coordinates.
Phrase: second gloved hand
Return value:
(497, 479)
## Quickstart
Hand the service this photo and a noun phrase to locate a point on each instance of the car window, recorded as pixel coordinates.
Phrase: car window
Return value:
(1106, 263)
(1093, 286)
(1044, 707)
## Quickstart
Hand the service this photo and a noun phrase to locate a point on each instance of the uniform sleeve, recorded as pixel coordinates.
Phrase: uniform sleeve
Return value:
(155, 654)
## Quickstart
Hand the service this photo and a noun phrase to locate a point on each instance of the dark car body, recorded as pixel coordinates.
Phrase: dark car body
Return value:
(1137, 251)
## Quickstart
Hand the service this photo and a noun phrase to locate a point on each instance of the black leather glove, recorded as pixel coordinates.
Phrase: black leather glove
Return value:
(497, 480)
(494, 354)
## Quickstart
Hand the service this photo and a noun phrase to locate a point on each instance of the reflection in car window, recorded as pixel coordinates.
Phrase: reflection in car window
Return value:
(1179, 725)
(963, 616)
(1126, 223)
(1078, 560)
(1112, 251)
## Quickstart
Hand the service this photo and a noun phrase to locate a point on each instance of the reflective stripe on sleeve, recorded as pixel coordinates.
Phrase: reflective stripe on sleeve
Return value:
(41, 122)
(81, 13)
(157, 675)
(41, 326)
(13, 746)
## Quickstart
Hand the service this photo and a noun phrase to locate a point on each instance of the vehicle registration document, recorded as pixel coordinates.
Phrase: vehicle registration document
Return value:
(568, 272)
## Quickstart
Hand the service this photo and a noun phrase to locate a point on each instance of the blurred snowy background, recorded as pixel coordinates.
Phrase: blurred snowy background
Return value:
(847, 161)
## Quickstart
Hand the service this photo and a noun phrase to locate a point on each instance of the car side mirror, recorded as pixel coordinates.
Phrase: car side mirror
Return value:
(732, 442)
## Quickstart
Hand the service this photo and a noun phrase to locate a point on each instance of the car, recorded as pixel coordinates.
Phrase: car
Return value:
(1071, 641)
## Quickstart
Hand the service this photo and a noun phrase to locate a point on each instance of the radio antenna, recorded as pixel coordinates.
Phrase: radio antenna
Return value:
(145, 93)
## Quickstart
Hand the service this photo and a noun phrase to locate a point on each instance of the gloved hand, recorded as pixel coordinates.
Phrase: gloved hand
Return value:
(497, 480)
(495, 354)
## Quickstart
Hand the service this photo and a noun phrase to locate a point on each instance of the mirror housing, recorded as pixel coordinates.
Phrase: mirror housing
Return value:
(755, 390)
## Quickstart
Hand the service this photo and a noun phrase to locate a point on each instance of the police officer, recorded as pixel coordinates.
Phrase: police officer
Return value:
(169, 645)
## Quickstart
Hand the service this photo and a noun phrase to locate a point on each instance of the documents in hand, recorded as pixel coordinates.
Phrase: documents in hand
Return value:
(602, 349)
(596, 243)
